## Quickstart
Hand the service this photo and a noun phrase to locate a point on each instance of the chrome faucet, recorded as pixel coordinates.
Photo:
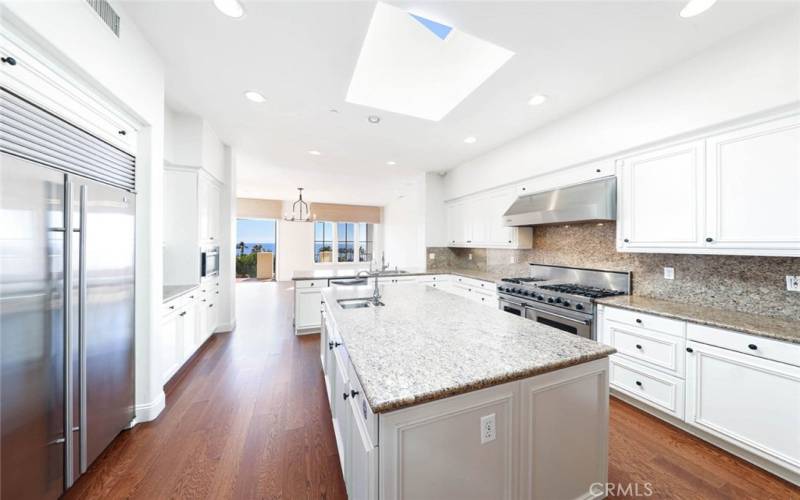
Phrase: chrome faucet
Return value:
(376, 292)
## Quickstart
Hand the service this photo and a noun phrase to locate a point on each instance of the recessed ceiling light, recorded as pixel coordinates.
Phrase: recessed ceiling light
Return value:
(696, 7)
(471, 139)
(255, 96)
(391, 162)
(537, 100)
(314, 152)
(231, 8)
(374, 119)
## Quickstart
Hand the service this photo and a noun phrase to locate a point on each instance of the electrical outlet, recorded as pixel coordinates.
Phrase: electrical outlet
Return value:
(793, 283)
(488, 429)
(431, 256)
(470, 256)
(512, 259)
(669, 273)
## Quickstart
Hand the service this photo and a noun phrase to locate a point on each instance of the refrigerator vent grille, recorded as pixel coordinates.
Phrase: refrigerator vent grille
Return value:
(106, 13)
(30, 132)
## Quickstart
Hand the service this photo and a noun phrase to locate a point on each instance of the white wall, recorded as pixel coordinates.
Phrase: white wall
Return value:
(754, 71)
(227, 309)
(404, 225)
(129, 72)
(183, 135)
(435, 224)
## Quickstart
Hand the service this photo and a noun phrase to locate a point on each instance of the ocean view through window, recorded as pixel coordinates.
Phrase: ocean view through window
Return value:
(254, 237)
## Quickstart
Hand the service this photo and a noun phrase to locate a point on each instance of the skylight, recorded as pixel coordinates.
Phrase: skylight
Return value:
(403, 69)
(437, 29)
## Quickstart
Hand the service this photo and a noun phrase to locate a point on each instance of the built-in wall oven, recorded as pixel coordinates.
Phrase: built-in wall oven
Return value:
(209, 262)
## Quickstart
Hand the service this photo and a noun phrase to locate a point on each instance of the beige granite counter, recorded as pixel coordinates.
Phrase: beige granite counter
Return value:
(426, 344)
(319, 274)
(754, 324)
(170, 292)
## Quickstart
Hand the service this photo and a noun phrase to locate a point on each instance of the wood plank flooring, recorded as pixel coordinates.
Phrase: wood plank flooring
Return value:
(249, 419)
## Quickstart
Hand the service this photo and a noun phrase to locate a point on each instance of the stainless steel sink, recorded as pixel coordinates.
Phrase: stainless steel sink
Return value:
(357, 303)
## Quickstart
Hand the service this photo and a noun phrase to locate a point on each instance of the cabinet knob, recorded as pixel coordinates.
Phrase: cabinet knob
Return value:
(752, 346)
(597, 170)
(191, 296)
(354, 393)
(689, 349)
(211, 305)
(172, 307)
(709, 240)
(639, 321)
(639, 383)
(337, 344)
(626, 240)
(345, 396)
(182, 314)
(122, 132)
(330, 346)
(639, 346)
(9, 60)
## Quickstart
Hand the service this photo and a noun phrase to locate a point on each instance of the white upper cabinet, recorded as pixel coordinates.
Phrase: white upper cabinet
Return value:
(477, 222)
(209, 210)
(661, 197)
(735, 192)
(753, 187)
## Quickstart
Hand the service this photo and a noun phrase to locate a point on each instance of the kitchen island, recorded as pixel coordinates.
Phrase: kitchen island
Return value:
(435, 397)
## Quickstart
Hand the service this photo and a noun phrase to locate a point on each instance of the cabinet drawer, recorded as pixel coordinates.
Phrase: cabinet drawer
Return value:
(654, 388)
(311, 283)
(175, 305)
(361, 409)
(651, 348)
(776, 350)
(433, 278)
(649, 321)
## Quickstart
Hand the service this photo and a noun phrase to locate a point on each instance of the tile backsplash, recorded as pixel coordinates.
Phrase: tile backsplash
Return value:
(743, 283)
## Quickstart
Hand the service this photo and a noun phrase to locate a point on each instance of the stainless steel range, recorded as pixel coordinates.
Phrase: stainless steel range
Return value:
(561, 297)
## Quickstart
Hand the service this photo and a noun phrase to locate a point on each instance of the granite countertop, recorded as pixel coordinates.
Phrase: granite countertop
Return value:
(317, 274)
(754, 324)
(427, 344)
(172, 291)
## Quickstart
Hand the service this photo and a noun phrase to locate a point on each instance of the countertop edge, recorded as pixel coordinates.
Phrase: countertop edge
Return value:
(400, 404)
(461, 273)
(179, 294)
(610, 302)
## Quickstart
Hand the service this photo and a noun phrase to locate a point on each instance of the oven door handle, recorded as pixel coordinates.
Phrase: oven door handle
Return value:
(539, 311)
(518, 304)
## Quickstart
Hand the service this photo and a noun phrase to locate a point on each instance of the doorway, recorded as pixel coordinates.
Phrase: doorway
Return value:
(256, 249)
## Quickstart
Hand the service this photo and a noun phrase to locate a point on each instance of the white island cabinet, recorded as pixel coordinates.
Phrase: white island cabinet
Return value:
(405, 430)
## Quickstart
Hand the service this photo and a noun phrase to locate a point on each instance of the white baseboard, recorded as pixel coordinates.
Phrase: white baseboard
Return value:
(731, 448)
(150, 411)
(226, 327)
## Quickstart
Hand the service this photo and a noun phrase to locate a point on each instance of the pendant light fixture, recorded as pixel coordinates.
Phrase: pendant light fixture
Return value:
(300, 211)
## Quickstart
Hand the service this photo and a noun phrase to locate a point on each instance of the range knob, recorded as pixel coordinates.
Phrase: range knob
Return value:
(558, 300)
(579, 307)
(501, 288)
(526, 293)
(550, 300)
(565, 303)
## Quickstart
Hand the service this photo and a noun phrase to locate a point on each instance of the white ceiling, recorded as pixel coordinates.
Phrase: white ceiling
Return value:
(301, 56)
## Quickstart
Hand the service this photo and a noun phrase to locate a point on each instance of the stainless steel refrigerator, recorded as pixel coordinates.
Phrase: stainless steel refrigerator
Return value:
(67, 220)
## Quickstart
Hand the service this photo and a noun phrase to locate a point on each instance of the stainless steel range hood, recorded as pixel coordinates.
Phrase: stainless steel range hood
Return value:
(588, 201)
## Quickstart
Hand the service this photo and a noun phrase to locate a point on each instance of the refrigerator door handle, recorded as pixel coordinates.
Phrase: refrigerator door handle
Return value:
(67, 318)
(82, 294)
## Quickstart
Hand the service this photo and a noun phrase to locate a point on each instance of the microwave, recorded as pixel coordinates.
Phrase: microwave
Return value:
(209, 262)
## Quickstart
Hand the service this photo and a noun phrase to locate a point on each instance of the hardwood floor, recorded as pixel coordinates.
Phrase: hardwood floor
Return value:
(250, 420)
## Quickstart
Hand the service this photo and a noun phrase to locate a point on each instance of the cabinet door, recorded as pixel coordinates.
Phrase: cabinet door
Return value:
(202, 321)
(661, 198)
(455, 225)
(749, 401)
(307, 307)
(477, 221)
(189, 328)
(169, 334)
(212, 318)
(341, 414)
(202, 208)
(753, 183)
(363, 461)
(497, 204)
(214, 206)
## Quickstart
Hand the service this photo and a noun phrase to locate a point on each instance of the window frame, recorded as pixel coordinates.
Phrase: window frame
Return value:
(323, 241)
(335, 243)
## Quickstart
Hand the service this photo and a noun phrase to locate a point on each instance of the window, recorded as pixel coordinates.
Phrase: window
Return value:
(323, 242)
(365, 238)
(346, 240)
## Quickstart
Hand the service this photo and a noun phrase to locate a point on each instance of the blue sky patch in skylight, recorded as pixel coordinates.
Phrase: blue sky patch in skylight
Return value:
(438, 29)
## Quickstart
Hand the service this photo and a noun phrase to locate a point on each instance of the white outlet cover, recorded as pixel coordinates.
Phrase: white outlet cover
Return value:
(793, 283)
(488, 428)
(669, 273)
(431, 256)
(470, 256)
